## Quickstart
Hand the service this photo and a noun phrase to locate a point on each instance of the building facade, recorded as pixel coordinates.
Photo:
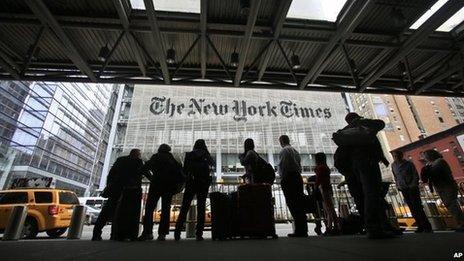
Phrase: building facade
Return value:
(57, 130)
(449, 143)
(408, 118)
(225, 117)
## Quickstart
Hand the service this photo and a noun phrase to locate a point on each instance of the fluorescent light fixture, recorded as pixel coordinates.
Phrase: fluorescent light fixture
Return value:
(326, 10)
(455, 20)
(184, 6)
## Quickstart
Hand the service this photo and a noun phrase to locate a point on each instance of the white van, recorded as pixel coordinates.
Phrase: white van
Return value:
(93, 208)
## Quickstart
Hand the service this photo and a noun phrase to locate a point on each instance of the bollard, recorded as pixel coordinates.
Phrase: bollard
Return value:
(191, 220)
(77, 222)
(14, 229)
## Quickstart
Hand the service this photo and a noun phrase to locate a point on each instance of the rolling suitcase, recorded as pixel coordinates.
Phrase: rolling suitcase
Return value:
(256, 211)
(127, 215)
(220, 213)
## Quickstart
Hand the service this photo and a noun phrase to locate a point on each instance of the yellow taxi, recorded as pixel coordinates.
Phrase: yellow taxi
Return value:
(48, 209)
(175, 210)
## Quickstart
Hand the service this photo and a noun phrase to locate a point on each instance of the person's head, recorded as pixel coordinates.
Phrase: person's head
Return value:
(284, 140)
(164, 148)
(135, 154)
(397, 155)
(320, 158)
(200, 144)
(249, 144)
(350, 117)
(432, 155)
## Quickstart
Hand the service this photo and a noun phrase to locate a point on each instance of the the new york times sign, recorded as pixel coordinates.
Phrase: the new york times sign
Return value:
(239, 110)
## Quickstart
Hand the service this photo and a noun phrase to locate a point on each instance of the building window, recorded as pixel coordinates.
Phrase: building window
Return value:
(441, 119)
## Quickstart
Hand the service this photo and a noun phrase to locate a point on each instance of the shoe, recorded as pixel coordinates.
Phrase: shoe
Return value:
(145, 237)
(176, 235)
(199, 238)
(96, 238)
(380, 235)
(318, 231)
(297, 235)
(161, 238)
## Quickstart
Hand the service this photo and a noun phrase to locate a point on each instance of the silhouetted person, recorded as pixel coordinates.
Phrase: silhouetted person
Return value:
(167, 176)
(325, 187)
(437, 173)
(407, 181)
(366, 170)
(248, 159)
(292, 185)
(120, 174)
(317, 208)
(197, 168)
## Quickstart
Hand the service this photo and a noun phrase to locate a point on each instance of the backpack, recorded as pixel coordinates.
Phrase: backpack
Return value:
(356, 136)
(263, 172)
(342, 160)
(197, 168)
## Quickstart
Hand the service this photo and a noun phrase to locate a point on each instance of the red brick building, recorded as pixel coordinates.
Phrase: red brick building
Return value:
(449, 143)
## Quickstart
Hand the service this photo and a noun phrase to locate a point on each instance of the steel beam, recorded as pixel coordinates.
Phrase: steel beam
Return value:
(246, 41)
(32, 50)
(278, 23)
(124, 18)
(351, 65)
(157, 40)
(203, 28)
(289, 64)
(108, 59)
(223, 64)
(186, 55)
(437, 19)
(42, 12)
(441, 76)
(8, 68)
(353, 16)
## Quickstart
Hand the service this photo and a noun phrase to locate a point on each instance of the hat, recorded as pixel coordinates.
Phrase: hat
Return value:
(351, 116)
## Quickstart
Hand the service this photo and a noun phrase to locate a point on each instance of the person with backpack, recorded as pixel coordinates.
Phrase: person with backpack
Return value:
(167, 180)
(437, 173)
(248, 159)
(292, 185)
(407, 181)
(365, 155)
(123, 174)
(197, 167)
(323, 184)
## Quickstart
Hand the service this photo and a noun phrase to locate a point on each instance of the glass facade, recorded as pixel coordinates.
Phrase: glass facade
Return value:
(225, 117)
(57, 130)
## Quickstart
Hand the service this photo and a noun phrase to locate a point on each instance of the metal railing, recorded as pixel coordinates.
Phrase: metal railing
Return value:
(398, 211)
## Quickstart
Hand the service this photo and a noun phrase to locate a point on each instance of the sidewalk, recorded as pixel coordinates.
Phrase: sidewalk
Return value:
(438, 246)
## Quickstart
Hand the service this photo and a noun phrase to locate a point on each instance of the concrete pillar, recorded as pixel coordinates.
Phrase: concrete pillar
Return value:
(77, 222)
(14, 228)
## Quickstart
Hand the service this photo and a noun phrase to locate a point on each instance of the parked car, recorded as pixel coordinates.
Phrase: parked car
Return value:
(48, 210)
(93, 207)
(175, 209)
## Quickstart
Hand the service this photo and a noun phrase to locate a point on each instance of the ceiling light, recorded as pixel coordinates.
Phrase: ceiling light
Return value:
(103, 54)
(244, 7)
(295, 62)
(171, 56)
(234, 59)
